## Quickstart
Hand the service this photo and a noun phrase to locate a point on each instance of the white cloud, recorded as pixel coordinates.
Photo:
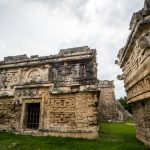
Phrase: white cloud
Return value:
(44, 26)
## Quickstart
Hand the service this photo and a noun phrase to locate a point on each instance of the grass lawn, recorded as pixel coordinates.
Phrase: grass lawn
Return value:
(113, 136)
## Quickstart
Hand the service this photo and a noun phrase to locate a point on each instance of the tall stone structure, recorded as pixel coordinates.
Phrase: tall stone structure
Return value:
(53, 95)
(110, 109)
(134, 59)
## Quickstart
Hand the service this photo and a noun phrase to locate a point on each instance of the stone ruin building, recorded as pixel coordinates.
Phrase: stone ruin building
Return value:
(134, 59)
(56, 95)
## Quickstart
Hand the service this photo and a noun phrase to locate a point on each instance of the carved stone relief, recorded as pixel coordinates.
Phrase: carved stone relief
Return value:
(140, 53)
(67, 118)
(141, 87)
(59, 105)
(8, 79)
(34, 76)
(27, 92)
(73, 73)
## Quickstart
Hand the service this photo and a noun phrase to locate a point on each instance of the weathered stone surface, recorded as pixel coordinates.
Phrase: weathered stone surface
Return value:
(64, 87)
(109, 108)
(141, 112)
(134, 59)
(15, 58)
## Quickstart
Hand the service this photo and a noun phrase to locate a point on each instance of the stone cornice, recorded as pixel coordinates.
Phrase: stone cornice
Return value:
(80, 53)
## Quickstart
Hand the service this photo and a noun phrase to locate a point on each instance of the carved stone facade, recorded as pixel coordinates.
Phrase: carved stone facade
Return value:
(134, 59)
(109, 108)
(53, 95)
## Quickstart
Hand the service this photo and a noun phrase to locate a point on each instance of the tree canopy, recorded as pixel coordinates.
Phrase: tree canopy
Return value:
(123, 101)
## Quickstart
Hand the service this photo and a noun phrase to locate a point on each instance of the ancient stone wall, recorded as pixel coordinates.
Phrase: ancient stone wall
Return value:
(10, 114)
(141, 111)
(134, 59)
(64, 87)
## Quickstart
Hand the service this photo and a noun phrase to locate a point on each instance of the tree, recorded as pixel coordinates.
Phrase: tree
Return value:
(123, 101)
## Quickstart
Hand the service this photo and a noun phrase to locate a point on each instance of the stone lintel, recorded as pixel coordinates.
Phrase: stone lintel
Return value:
(74, 89)
(32, 86)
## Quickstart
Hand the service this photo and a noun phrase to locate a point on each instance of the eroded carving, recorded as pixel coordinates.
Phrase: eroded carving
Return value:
(34, 76)
(144, 42)
(63, 118)
(140, 87)
(8, 78)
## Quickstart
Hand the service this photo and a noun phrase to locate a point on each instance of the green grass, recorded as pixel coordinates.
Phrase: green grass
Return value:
(113, 136)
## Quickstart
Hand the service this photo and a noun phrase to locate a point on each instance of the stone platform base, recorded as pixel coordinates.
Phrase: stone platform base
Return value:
(85, 135)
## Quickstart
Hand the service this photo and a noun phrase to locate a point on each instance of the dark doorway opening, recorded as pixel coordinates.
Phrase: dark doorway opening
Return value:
(32, 115)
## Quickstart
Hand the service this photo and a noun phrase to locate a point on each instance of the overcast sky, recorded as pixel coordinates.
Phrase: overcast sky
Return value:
(43, 27)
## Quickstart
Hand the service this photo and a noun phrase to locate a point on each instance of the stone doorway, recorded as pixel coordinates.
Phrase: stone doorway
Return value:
(32, 115)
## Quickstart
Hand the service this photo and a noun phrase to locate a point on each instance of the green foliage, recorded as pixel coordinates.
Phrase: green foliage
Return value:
(113, 136)
(123, 101)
